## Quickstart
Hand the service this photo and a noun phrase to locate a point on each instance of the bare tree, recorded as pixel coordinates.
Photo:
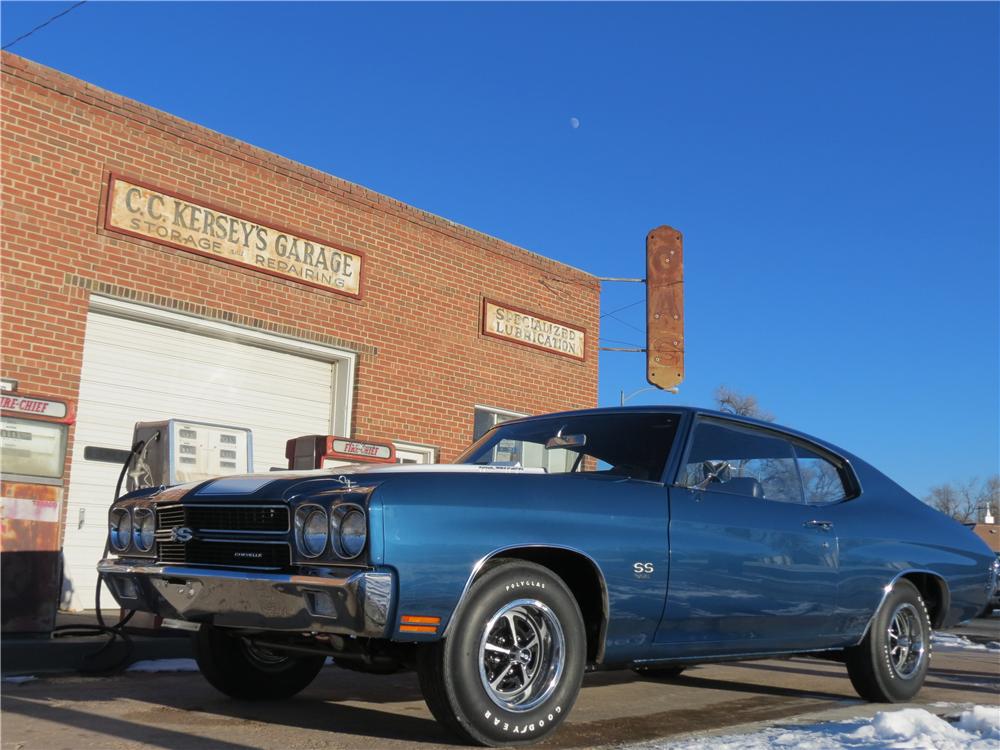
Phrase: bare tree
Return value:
(735, 402)
(966, 501)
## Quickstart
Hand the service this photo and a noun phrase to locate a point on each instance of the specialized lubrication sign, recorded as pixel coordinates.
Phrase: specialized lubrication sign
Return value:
(33, 433)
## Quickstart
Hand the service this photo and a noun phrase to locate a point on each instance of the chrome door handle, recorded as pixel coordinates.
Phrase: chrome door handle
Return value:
(825, 525)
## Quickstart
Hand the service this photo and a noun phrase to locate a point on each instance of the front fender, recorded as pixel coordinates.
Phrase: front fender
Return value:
(440, 529)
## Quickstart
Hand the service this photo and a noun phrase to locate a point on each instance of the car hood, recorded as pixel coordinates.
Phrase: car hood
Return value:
(244, 485)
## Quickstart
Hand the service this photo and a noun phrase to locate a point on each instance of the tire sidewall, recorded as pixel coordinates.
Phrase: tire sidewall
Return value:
(897, 688)
(230, 667)
(486, 721)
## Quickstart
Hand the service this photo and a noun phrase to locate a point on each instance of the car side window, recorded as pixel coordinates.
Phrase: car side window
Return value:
(741, 461)
(821, 480)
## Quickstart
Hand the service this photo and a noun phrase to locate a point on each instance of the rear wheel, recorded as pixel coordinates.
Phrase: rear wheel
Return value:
(510, 669)
(890, 664)
(236, 667)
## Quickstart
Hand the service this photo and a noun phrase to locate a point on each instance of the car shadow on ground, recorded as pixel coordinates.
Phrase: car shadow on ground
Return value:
(173, 712)
(694, 677)
(944, 679)
(162, 712)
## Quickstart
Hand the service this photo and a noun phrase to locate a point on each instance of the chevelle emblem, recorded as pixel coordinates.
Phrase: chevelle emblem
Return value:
(181, 534)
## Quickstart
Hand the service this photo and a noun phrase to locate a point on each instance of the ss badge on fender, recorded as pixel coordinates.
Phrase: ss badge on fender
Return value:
(642, 569)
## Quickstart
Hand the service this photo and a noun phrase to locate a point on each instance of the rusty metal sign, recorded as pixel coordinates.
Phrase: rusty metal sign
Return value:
(30, 568)
(664, 307)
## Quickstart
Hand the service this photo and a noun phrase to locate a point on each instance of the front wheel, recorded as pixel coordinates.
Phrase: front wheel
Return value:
(236, 667)
(890, 664)
(510, 669)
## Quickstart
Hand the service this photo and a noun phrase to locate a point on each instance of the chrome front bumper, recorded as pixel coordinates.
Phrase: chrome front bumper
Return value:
(355, 603)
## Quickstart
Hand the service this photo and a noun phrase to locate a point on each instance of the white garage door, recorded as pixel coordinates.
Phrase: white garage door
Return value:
(153, 366)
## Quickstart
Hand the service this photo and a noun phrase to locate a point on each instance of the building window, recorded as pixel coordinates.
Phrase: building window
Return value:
(487, 417)
(414, 453)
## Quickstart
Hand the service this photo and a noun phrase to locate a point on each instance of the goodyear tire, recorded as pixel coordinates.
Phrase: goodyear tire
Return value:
(510, 669)
(240, 670)
(890, 664)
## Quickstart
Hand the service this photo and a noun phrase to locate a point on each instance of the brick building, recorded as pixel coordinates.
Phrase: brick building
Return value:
(153, 268)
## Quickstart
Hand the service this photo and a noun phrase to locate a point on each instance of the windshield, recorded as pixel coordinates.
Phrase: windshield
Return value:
(631, 444)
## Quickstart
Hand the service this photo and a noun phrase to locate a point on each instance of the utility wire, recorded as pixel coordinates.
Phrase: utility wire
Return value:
(632, 304)
(625, 323)
(617, 341)
(43, 25)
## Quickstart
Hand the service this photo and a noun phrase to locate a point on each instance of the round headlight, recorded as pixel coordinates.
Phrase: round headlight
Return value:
(144, 531)
(352, 533)
(314, 532)
(120, 529)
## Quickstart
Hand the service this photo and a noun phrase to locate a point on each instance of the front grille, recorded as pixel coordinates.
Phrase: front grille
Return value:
(251, 554)
(226, 518)
(252, 536)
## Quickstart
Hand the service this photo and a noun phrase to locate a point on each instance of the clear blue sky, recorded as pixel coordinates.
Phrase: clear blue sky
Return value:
(834, 169)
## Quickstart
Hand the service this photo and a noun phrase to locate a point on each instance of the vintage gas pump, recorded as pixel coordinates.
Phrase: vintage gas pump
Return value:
(175, 451)
(33, 434)
(330, 451)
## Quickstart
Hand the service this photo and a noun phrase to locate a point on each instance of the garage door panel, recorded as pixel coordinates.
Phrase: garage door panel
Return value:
(169, 349)
(275, 393)
(263, 409)
(230, 365)
(137, 371)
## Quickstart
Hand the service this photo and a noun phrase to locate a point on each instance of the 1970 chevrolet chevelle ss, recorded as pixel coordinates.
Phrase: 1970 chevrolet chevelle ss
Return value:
(644, 538)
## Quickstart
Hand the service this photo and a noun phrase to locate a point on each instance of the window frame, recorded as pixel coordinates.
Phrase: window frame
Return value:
(495, 411)
(848, 477)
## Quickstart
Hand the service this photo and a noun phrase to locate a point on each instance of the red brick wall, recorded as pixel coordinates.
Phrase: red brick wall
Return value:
(424, 363)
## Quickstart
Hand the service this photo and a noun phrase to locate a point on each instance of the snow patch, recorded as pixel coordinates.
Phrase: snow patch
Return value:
(910, 728)
(19, 680)
(984, 720)
(950, 641)
(164, 665)
(911, 725)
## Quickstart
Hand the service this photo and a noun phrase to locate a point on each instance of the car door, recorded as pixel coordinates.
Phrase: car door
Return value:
(753, 568)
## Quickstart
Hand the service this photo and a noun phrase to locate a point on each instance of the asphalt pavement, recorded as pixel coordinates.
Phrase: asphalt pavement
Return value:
(346, 710)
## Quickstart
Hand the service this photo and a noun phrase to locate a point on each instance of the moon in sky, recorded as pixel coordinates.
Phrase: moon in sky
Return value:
(574, 122)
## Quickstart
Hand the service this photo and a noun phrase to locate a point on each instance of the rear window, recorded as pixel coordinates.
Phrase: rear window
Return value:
(635, 445)
(741, 460)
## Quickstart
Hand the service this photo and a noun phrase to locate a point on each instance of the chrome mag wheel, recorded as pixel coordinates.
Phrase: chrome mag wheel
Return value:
(264, 658)
(907, 641)
(521, 655)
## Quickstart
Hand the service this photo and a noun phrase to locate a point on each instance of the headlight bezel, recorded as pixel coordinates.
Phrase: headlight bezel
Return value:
(116, 534)
(139, 516)
(339, 513)
(303, 514)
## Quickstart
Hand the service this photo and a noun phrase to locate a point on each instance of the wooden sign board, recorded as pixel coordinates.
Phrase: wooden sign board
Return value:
(169, 219)
(529, 329)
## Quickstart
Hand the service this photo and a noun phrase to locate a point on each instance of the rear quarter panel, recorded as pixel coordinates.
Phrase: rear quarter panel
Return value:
(886, 532)
(437, 528)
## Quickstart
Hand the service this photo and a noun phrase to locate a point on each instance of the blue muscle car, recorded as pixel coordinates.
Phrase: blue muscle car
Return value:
(643, 538)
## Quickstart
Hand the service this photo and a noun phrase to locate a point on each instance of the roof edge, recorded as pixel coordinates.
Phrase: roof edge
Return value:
(68, 85)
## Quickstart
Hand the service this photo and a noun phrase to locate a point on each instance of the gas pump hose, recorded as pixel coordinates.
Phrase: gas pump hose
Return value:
(92, 664)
